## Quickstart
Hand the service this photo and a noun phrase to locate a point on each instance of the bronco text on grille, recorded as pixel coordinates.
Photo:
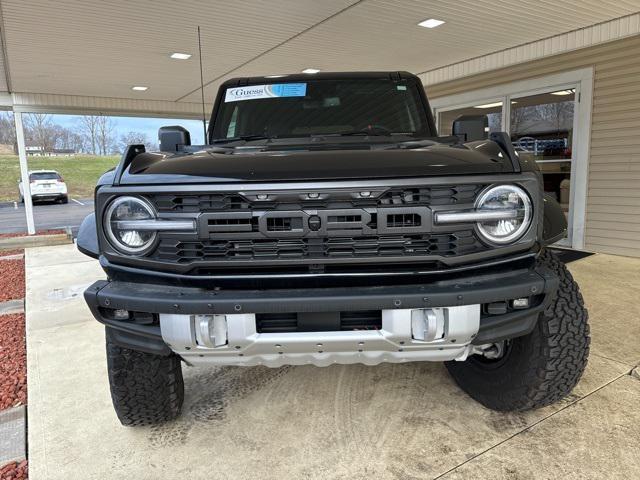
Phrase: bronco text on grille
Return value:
(314, 226)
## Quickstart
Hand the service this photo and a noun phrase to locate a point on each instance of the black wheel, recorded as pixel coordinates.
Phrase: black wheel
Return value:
(537, 369)
(64, 199)
(145, 389)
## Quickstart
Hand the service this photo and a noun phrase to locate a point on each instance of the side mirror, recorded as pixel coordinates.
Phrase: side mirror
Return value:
(470, 128)
(172, 138)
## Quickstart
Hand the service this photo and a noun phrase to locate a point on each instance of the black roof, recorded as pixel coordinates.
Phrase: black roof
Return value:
(296, 77)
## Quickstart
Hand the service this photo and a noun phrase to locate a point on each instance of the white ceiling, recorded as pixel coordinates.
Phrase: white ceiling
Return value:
(102, 48)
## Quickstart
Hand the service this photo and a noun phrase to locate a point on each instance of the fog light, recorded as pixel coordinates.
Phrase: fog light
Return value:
(313, 195)
(262, 196)
(427, 324)
(120, 314)
(520, 303)
(211, 330)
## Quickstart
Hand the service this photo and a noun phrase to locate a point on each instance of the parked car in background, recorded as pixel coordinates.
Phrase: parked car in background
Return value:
(45, 185)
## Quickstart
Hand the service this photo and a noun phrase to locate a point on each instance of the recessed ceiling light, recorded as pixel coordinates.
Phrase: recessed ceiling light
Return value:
(431, 23)
(571, 91)
(274, 76)
(181, 56)
(139, 88)
(310, 70)
(489, 105)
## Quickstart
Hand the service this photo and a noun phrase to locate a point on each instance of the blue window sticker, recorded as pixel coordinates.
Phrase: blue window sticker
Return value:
(253, 92)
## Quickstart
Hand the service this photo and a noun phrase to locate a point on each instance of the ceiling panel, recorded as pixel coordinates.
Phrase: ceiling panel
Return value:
(102, 48)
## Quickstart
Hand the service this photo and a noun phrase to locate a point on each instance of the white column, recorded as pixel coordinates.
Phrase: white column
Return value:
(24, 173)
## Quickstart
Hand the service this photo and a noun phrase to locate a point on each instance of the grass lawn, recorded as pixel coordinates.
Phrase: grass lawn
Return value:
(79, 172)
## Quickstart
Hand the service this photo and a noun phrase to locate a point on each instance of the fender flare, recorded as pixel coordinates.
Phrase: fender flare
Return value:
(87, 241)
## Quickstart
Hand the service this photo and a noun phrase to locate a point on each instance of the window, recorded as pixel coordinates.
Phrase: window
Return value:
(325, 107)
(542, 128)
(44, 176)
(493, 111)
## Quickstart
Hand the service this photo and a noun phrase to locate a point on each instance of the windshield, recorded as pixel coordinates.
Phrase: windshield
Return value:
(321, 107)
(44, 176)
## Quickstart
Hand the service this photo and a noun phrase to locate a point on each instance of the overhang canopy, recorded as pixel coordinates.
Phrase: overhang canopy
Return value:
(86, 55)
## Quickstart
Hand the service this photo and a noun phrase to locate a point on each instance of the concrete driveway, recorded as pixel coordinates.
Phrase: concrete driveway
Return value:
(404, 421)
(47, 216)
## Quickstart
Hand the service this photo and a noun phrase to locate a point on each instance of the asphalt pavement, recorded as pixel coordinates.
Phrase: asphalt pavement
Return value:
(47, 216)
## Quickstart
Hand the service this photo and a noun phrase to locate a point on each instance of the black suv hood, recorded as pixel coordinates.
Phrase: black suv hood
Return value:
(251, 164)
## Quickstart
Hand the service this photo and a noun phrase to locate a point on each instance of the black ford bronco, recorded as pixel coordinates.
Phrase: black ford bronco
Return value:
(325, 222)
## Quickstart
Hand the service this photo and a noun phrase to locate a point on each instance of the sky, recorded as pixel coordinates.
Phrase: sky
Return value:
(148, 126)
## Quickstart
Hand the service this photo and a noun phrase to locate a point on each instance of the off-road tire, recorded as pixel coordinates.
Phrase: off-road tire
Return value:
(541, 367)
(145, 389)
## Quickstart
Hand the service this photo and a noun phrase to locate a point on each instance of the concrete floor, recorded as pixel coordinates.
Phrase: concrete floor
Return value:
(404, 421)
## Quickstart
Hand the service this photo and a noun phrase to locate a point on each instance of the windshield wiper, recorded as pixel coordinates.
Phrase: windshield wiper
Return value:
(243, 137)
(351, 134)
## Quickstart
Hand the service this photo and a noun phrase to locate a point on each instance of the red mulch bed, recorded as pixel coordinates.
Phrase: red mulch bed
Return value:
(39, 232)
(13, 361)
(15, 471)
(11, 279)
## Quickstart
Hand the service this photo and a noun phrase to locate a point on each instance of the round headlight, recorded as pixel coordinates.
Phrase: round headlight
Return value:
(120, 225)
(515, 205)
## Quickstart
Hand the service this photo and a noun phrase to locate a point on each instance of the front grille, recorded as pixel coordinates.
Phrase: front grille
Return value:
(318, 322)
(314, 230)
(450, 244)
(204, 202)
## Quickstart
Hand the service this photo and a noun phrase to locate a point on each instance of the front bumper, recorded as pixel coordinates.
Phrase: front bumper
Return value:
(48, 195)
(178, 308)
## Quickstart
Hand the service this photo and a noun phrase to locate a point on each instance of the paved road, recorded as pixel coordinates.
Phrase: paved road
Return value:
(46, 215)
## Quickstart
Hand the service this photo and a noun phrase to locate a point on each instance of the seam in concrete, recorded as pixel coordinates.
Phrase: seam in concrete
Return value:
(12, 306)
(529, 427)
(630, 365)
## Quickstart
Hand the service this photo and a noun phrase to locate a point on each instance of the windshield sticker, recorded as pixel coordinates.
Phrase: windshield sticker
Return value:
(253, 92)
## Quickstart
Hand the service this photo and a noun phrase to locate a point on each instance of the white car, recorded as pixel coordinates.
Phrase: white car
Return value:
(45, 185)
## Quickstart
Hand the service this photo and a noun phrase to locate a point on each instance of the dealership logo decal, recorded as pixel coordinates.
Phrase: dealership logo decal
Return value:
(253, 92)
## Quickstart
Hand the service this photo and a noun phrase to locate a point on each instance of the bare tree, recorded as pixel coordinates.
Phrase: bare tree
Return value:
(558, 114)
(89, 128)
(8, 129)
(40, 130)
(105, 130)
(135, 138)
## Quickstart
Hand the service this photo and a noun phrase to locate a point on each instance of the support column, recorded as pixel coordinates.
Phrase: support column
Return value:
(24, 173)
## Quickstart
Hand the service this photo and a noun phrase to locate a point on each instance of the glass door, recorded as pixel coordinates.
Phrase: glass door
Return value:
(549, 119)
(541, 127)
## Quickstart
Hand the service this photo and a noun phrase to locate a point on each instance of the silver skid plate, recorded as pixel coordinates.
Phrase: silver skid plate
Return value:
(436, 334)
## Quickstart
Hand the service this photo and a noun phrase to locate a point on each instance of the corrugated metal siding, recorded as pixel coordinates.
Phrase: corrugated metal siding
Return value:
(613, 196)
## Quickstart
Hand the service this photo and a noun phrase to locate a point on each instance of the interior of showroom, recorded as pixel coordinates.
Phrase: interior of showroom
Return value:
(560, 79)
